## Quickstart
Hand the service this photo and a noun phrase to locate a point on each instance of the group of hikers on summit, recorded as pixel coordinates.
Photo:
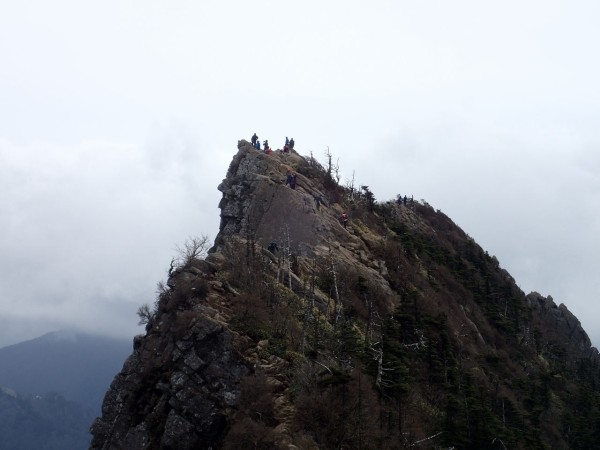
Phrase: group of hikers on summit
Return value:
(291, 178)
(289, 144)
(404, 200)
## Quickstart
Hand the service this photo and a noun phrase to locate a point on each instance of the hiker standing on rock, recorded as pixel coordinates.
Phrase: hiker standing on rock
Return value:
(318, 200)
(291, 144)
(344, 219)
(254, 139)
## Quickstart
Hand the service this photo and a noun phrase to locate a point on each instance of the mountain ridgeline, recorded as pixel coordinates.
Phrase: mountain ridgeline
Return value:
(397, 331)
(75, 365)
(51, 389)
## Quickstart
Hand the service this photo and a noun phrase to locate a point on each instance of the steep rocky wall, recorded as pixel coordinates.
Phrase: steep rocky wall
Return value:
(176, 389)
(558, 324)
(258, 205)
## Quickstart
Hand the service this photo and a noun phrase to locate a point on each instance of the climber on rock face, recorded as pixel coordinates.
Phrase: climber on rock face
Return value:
(318, 200)
(344, 219)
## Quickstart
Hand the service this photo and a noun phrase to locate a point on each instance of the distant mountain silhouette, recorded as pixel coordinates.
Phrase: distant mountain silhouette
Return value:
(46, 422)
(78, 366)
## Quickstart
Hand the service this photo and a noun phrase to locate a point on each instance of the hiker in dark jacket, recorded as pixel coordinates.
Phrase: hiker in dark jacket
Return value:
(292, 143)
(318, 200)
(254, 139)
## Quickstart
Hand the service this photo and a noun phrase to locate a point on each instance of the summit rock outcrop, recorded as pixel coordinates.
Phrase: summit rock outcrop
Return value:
(397, 331)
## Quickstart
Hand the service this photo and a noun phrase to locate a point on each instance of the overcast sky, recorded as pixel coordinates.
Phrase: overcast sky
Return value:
(118, 119)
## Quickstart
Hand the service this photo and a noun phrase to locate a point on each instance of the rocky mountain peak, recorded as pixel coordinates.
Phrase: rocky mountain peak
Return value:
(298, 331)
(564, 325)
(257, 203)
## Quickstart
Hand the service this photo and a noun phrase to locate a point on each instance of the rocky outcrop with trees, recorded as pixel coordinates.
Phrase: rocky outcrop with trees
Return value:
(395, 332)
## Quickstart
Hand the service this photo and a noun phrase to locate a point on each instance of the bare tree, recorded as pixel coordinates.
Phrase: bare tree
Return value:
(287, 252)
(336, 170)
(195, 247)
(338, 303)
(309, 299)
(145, 314)
(331, 169)
(350, 186)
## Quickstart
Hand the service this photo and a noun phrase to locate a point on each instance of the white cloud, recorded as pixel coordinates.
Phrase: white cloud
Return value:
(118, 120)
(91, 228)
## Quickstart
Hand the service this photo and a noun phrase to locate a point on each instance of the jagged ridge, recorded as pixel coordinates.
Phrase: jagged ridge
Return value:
(397, 331)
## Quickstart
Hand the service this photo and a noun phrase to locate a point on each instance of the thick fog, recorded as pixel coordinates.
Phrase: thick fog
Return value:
(119, 119)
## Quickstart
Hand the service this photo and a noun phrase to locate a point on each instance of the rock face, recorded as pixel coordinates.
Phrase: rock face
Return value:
(258, 204)
(559, 322)
(182, 384)
(393, 332)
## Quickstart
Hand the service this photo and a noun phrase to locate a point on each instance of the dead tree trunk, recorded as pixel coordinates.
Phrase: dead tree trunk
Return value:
(288, 256)
(337, 301)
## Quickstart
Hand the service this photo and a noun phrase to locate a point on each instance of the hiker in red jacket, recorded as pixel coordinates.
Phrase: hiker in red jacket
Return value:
(344, 219)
